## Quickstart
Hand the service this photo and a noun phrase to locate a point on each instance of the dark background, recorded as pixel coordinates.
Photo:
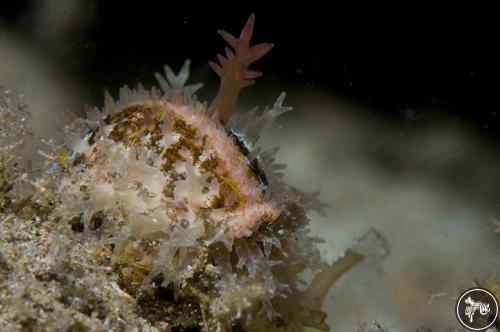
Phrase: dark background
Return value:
(432, 191)
(391, 60)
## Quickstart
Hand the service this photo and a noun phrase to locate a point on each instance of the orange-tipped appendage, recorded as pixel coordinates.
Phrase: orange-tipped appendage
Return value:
(233, 69)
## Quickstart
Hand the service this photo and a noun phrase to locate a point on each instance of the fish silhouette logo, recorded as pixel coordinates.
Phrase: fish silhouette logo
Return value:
(477, 309)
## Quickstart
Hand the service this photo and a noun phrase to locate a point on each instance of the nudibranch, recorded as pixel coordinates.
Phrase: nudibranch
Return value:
(189, 202)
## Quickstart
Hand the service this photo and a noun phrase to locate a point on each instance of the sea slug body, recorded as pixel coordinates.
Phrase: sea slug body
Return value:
(187, 202)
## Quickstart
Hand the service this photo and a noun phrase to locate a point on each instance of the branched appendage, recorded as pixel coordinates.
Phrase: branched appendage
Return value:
(315, 294)
(233, 69)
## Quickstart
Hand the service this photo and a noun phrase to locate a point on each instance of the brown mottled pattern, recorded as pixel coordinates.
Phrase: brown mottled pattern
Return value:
(131, 124)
